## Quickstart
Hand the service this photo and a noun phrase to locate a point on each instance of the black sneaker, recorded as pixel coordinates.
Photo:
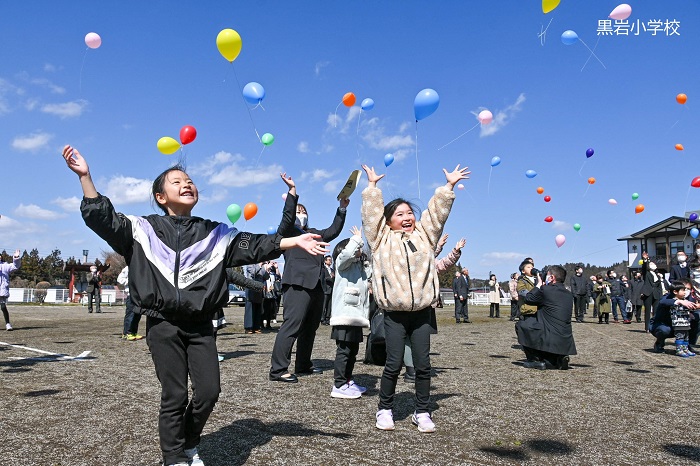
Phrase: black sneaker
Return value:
(658, 348)
(535, 365)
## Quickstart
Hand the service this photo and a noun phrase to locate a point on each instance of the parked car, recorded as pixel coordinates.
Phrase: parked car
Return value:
(236, 295)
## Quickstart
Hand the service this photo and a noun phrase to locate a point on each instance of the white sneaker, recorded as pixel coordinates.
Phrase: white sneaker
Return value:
(193, 455)
(8, 327)
(179, 464)
(264, 323)
(274, 321)
(345, 391)
(424, 422)
(385, 419)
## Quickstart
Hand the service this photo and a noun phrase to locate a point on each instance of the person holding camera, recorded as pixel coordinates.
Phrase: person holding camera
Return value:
(94, 279)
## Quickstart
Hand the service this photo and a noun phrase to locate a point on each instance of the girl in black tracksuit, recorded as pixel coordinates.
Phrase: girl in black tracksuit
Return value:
(178, 280)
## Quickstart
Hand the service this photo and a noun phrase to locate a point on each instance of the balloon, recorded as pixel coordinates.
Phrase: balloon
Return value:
(639, 209)
(591, 180)
(548, 219)
(679, 147)
(549, 5)
(577, 226)
(249, 210)
(233, 212)
(93, 40)
(694, 232)
(425, 103)
(271, 230)
(485, 117)
(612, 202)
(187, 134)
(693, 217)
(547, 198)
(267, 139)
(367, 104)
(253, 93)
(531, 173)
(622, 11)
(641, 262)
(569, 37)
(229, 44)
(681, 98)
(284, 196)
(495, 161)
(460, 186)
(349, 99)
(540, 190)
(589, 153)
(560, 240)
(388, 159)
(696, 182)
(168, 145)
(635, 196)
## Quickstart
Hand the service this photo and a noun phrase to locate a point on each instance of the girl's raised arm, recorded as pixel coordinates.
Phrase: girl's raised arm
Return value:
(79, 166)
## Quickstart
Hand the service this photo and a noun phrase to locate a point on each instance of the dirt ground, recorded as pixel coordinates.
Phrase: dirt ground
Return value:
(619, 404)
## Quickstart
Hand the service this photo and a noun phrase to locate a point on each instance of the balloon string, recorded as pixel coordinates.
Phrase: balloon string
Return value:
(579, 170)
(81, 71)
(587, 187)
(258, 161)
(488, 190)
(596, 56)
(335, 115)
(417, 169)
(685, 207)
(459, 136)
(543, 32)
(589, 56)
(357, 135)
(240, 91)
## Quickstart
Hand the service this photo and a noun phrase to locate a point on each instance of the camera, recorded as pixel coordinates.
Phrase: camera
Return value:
(534, 272)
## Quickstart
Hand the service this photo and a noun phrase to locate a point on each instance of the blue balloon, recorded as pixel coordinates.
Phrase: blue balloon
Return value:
(367, 104)
(693, 217)
(569, 37)
(495, 161)
(388, 159)
(531, 173)
(271, 230)
(426, 103)
(253, 93)
(694, 232)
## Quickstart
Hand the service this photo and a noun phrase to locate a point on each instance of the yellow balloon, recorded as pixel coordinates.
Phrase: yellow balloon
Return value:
(229, 44)
(168, 145)
(641, 262)
(549, 5)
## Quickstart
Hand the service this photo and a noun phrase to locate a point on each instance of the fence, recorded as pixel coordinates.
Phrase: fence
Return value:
(61, 296)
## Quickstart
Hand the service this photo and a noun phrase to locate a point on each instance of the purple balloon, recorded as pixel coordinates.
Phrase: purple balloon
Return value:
(589, 152)
(693, 217)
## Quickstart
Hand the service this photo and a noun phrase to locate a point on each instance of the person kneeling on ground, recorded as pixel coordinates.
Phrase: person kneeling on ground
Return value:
(549, 334)
(672, 318)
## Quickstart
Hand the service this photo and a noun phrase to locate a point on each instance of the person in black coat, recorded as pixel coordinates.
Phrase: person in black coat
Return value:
(651, 289)
(636, 285)
(253, 316)
(460, 288)
(680, 270)
(327, 279)
(303, 300)
(549, 335)
(579, 288)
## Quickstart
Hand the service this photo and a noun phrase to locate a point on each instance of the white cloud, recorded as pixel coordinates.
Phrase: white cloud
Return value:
(502, 117)
(217, 195)
(333, 186)
(303, 147)
(495, 258)
(69, 204)
(319, 67)
(338, 124)
(7, 89)
(66, 109)
(49, 68)
(228, 170)
(31, 104)
(377, 136)
(561, 226)
(210, 165)
(45, 83)
(32, 142)
(315, 176)
(128, 190)
(35, 212)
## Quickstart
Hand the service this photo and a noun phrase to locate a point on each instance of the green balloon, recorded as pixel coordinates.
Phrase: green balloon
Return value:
(635, 196)
(233, 212)
(267, 139)
(577, 226)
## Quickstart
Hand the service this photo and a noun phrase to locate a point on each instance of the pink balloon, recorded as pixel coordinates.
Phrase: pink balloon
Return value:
(485, 117)
(560, 240)
(622, 11)
(460, 186)
(284, 196)
(93, 40)
(612, 202)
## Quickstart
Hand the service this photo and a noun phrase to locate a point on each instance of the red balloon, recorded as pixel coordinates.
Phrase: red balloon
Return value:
(696, 182)
(547, 198)
(187, 134)
(548, 219)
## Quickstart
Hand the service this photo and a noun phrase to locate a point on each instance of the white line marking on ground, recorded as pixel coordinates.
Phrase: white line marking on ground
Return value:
(57, 356)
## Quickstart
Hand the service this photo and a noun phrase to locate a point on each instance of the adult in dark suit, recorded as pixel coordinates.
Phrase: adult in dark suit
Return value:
(636, 296)
(680, 270)
(94, 288)
(549, 334)
(579, 288)
(253, 316)
(303, 299)
(460, 287)
(651, 289)
(327, 278)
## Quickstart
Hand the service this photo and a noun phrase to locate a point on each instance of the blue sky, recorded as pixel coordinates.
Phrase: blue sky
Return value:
(158, 69)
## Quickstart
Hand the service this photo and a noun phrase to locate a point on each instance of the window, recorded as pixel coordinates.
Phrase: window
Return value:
(676, 246)
(661, 249)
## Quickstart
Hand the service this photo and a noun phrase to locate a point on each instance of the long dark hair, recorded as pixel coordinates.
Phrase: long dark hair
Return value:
(159, 184)
(391, 207)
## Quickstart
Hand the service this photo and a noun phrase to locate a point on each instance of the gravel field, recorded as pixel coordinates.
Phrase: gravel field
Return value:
(619, 403)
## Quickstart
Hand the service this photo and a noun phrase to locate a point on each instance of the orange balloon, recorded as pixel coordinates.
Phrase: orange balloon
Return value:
(681, 98)
(540, 190)
(250, 210)
(639, 209)
(679, 147)
(591, 180)
(349, 99)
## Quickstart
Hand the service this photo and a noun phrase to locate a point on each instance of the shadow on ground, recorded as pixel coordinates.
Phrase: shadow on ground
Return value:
(534, 446)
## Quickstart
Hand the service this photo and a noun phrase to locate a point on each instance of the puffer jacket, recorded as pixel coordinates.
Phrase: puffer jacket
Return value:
(350, 288)
(403, 264)
(5, 269)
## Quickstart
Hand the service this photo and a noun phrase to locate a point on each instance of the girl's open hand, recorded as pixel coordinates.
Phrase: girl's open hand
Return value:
(355, 231)
(372, 177)
(457, 175)
(287, 180)
(16, 256)
(460, 244)
(75, 161)
(309, 243)
(443, 240)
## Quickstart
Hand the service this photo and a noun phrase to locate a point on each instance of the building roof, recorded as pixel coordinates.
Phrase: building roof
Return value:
(671, 226)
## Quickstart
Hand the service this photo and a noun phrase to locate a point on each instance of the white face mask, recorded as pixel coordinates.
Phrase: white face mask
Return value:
(686, 293)
(682, 259)
(302, 219)
(548, 280)
(652, 266)
(613, 275)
